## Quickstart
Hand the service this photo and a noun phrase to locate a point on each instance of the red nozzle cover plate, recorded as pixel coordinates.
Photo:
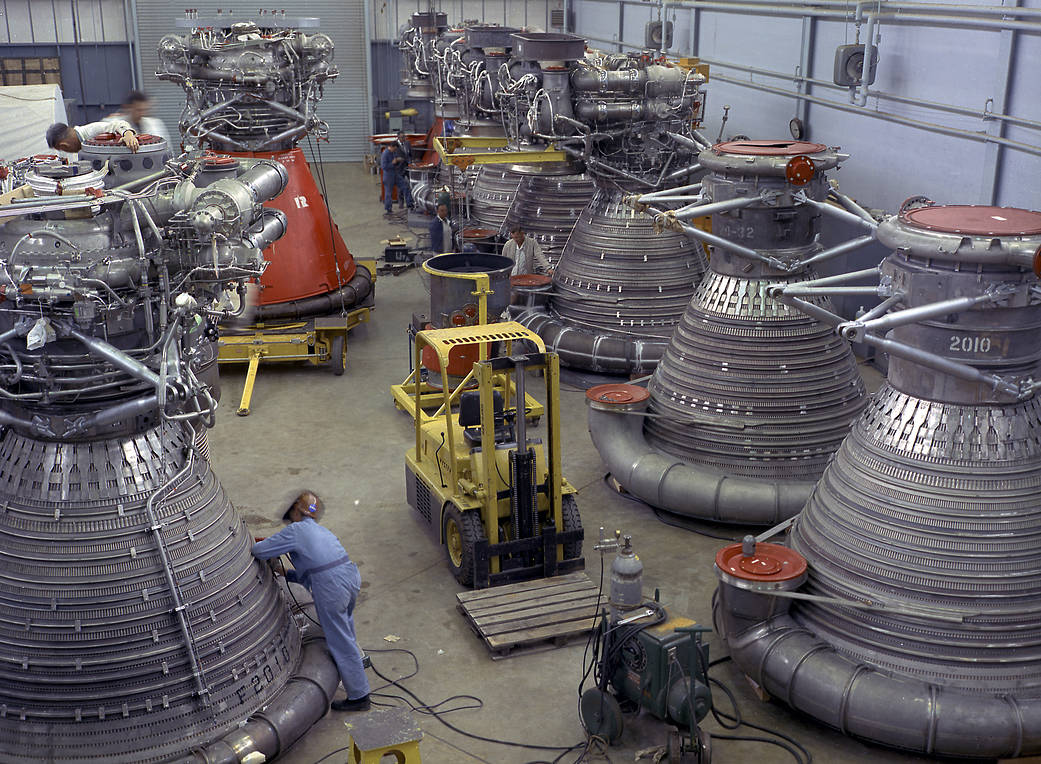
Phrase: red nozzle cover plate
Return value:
(771, 562)
(617, 393)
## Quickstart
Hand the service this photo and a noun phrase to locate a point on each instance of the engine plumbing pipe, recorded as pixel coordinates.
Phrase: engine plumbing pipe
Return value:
(672, 484)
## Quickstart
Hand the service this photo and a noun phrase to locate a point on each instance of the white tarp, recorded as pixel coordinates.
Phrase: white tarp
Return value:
(26, 111)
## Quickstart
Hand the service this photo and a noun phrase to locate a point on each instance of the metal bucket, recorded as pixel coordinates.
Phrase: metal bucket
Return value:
(452, 302)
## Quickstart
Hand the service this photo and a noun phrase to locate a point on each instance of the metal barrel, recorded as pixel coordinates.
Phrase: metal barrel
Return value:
(452, 302)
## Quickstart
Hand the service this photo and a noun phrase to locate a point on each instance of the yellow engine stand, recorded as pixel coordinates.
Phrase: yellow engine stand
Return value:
(383, 732)
(318, 340)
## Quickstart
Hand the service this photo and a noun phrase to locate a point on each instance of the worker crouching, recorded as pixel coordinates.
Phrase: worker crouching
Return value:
(321, 564)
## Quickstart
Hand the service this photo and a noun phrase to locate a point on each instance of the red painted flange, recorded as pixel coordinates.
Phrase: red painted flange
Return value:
(112, 139)
(617, 393)
(770, 563)
(530, 280)
(800, 170)
(974, 220)
(780, 148)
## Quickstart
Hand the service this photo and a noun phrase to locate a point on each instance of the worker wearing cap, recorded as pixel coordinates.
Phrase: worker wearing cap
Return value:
(70, 139)
(321, 564)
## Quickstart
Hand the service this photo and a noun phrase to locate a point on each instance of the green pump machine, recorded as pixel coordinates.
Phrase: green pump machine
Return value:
(645, 656)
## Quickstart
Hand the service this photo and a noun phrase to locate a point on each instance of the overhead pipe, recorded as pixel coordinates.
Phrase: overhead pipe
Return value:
(934, 105)
(842, 11)
(886, 116)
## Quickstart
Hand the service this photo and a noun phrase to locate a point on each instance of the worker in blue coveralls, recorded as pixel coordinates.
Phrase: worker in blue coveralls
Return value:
(395, 174)
(321, 564)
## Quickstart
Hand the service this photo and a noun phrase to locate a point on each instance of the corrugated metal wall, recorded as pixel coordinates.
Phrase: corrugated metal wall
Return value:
(346, 103)
(89, 37)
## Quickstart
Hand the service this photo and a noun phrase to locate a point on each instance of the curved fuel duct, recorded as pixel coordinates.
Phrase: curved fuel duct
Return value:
(752, 397)
(135, 625)
(917, 624)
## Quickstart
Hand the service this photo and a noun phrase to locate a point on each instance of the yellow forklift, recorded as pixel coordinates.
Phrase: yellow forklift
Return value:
(495, 497)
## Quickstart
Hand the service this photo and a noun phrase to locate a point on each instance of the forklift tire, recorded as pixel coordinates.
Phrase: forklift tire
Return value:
(572, 522)
(338, 355)
(462, 531)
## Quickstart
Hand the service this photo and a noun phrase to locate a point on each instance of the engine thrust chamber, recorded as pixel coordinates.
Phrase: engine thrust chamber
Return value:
(252, 90)
(926, 522)
(751, 397)
(135, 624)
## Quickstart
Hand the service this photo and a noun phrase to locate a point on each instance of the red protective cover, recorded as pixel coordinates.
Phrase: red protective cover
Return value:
(303, 262)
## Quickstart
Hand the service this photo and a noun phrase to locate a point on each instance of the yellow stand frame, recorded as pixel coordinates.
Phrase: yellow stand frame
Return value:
(319, 340)
(413, 391)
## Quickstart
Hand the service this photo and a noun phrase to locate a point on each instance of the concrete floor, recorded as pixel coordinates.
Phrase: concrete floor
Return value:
(342, 437)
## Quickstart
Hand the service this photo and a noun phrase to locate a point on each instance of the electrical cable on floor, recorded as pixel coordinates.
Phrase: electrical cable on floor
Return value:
(735, 721)
(332, 753)
(429, 709)
(593, 745)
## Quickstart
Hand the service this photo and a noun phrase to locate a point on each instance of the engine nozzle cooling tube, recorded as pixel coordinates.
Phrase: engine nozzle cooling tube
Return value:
(677, 486)
(768, 645)
(302, 702)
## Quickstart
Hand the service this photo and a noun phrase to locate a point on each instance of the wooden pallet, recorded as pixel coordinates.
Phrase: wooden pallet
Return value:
(532, 615)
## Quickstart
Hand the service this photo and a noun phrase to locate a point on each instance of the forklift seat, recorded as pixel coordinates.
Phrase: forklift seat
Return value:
(470, 417)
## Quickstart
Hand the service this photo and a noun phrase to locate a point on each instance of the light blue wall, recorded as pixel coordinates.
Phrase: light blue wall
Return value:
(890, 162)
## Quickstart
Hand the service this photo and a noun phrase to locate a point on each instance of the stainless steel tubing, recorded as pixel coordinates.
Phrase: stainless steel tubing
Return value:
(266, 231)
